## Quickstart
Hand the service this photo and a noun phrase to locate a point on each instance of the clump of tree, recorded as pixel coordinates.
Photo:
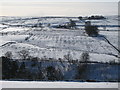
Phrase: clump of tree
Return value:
(93, 17)
(96, 17)
(53, 74)
(82, 66)
(24, 72)
(9, 68)
(80, 17)
(12, 69)
(70, 25)
(34, 61)
(91, 30)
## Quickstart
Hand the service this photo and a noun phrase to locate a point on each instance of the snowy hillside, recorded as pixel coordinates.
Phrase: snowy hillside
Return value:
(44, 39)
(55, 43)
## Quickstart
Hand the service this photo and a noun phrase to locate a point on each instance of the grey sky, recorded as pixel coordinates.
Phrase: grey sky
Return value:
(57, 8)
(62, 0)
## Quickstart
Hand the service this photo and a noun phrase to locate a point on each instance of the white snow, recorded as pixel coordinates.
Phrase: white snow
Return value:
(33, 84)
(11, 38)
(11, 29)
(55, 43)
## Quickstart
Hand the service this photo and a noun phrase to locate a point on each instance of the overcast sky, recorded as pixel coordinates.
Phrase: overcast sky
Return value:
(38, 8)
(64, 0)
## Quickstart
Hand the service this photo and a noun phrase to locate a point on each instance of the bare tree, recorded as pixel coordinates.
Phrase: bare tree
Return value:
(24, 54)
(85, 57)
(8, 55)
(68, 57)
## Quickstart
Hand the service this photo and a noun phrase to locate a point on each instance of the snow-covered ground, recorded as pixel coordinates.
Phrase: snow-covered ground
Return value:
(11, 29)
(33, 84)
(55, 43)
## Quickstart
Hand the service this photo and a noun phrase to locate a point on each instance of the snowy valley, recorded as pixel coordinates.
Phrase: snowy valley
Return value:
(51, 47)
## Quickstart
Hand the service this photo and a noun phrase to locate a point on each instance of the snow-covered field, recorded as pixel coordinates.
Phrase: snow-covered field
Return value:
(55, 43)
(25, 84)
(17, 34)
